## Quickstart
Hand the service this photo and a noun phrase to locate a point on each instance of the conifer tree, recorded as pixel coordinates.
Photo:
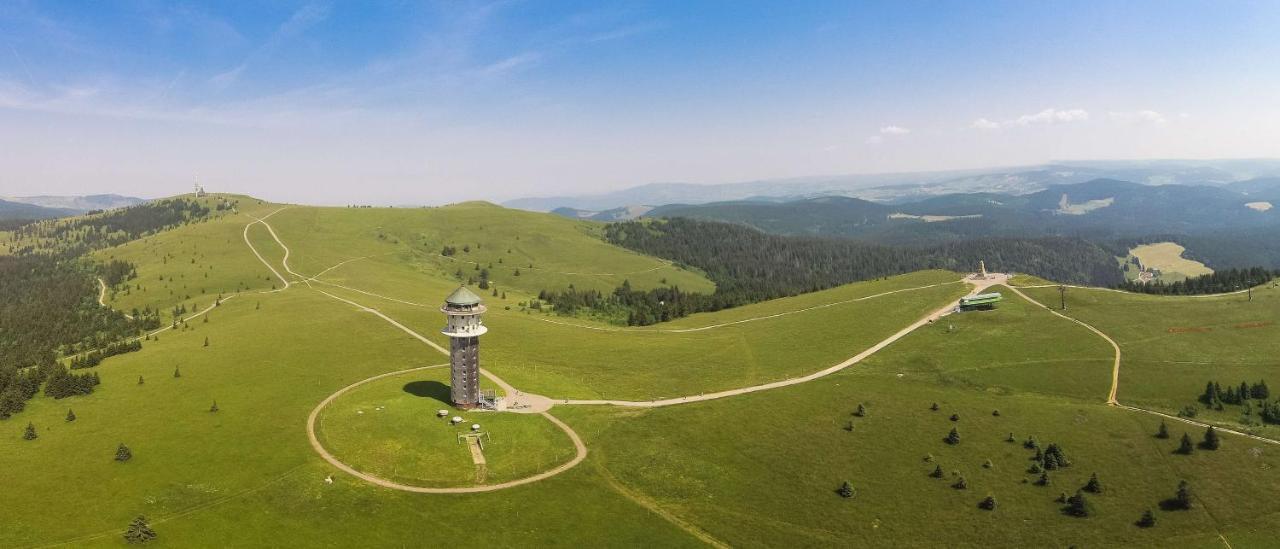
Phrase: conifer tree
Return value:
(214, 408)
(1093, 486)
(937, 472)
(1036, 468)
(141, 381)
(961, 483)
(30, 432)
(139, 531)
(1010, 439)
(1148, 519)
(995, 413)
(206, 341)
(955, 417)
(177, 372)
(1050, 462)
(953, 437)
(988, 503)
(71, 416)
(1044, 479)
(1185, 447)
(845, 490)
(1163, 432)
(934, 406)
(1078, 506)
(123, 453)
(987, 464)
(861, 411)
(1182, 499)
(1211, 439)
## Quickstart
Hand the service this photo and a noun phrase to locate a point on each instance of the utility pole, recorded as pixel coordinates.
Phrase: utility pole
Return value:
(1062, 292)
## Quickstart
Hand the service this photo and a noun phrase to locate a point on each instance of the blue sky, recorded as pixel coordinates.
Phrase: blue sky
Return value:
(418, 102)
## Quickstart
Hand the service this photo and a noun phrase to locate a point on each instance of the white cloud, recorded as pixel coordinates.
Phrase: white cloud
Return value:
(894, 130)
(1052, 116)
(875, 140)
(1045, 117)
(984, 124)
(1139, 117)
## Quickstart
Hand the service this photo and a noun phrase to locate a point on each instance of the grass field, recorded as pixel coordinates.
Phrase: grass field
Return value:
(1167, 258)
(1171, 346)
(753, 470)
(389, 428)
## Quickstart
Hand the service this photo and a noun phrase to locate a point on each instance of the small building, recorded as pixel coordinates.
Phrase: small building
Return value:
(980, 302)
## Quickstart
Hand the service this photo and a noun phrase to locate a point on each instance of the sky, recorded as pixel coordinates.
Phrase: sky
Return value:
(416, 102)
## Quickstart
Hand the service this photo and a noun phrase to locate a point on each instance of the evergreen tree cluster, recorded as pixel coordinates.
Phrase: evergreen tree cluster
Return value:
(62, 384)
(1215, 397)
(1217, 282)
(95, 357)
(116, 272)
(114, 227)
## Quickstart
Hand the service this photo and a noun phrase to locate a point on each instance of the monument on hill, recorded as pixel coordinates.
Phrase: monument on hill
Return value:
(464, 328)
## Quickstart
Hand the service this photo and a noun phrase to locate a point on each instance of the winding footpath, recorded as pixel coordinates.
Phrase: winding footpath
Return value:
(1112, 399)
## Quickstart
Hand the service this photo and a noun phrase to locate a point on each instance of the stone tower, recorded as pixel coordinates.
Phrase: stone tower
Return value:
(464, 328)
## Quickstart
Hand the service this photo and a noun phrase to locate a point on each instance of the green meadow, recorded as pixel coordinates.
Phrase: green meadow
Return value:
(754, 470)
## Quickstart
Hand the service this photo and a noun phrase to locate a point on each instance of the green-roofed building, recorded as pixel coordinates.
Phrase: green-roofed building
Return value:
(463, 309)
(980, 302)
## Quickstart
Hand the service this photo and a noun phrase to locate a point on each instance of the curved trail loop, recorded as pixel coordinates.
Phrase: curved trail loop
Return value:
(1115, 376)
(579, 447)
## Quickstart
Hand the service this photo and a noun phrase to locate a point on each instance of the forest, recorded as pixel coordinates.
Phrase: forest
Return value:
(110, 228)
(750, 266)
(1229, 280)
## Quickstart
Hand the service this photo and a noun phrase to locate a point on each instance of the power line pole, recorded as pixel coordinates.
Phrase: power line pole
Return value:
(1062, 292)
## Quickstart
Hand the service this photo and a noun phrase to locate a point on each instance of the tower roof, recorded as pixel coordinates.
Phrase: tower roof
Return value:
(462, 296)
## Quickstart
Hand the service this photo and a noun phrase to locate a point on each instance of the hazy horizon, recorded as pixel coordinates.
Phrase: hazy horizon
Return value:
(434, 103)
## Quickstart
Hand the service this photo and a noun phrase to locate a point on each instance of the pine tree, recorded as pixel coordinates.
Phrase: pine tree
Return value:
(995, 413)
(139, 531)
(934, 406)
(1211, 439)
(955, 417)
(1050, 462)
(845, 490)
(206, 341)
(953, 437)
(862, 410)
(1163, 432)
(123, 453)
(1185, 447)
(1036, 468)
(176, 372)
(30, 432)
(214, 408)
(961, 483)
(1093, 486)
(1148, 519)
(1078, 506)
(1011, 438)
(1182, 499)
(988, 503)
(71, 416)
(987, 464)
(1031, 443)
(1044, 479)
(937, 472)
(141, 381)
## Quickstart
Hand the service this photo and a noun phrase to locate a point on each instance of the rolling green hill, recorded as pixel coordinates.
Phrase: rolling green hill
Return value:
(726, 428)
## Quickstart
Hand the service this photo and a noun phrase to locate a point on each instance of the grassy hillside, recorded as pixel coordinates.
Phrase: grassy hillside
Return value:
(757, 469)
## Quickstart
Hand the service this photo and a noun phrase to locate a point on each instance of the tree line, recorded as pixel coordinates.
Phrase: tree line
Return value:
(1228, 280)
(750, 266)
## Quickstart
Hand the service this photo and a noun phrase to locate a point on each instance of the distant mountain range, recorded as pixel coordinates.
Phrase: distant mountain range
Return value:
(78, 204)
(18, 210)
(904, 187)
(1102, 208)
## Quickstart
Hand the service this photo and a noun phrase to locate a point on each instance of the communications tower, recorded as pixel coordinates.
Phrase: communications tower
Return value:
(463, 309)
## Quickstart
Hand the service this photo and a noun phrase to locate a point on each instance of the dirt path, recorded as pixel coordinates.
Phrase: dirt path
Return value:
(579, 447)
(1115, 381)
(1115, 366)
(102, 297)
(262, 220)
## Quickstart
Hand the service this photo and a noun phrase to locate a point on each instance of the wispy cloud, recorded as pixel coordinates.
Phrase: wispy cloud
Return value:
(894, 130)
(1142, 117)
(1048, 116)
(301, 20)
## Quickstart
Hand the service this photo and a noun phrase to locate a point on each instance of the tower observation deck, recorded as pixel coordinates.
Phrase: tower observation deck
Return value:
(464, 328)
